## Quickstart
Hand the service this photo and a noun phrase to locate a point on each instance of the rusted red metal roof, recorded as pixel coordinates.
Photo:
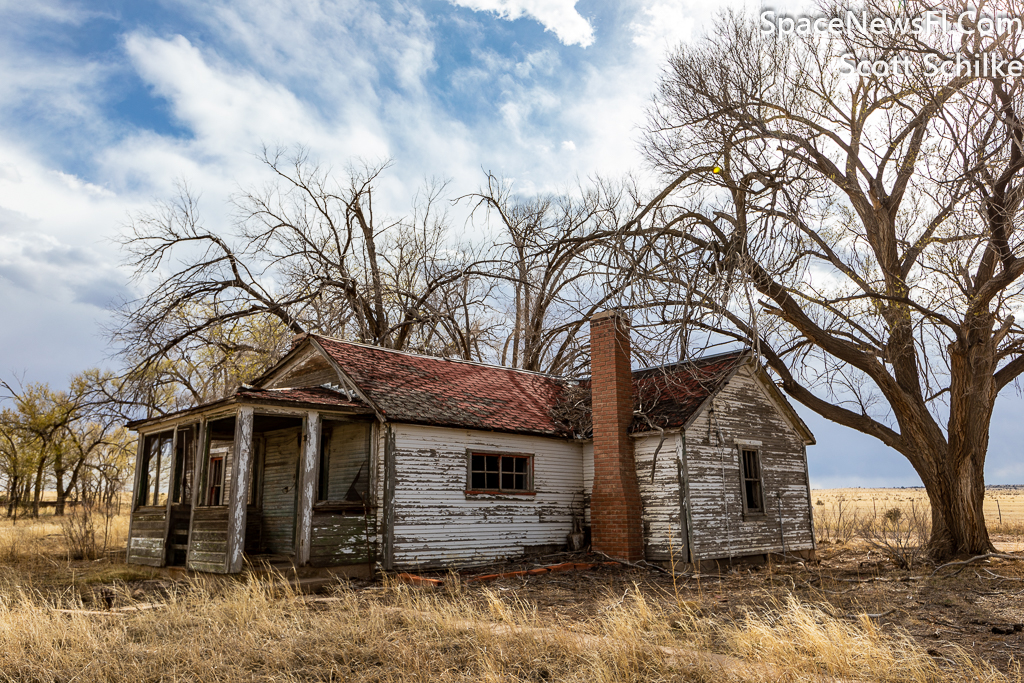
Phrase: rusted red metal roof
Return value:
(667, 396)
(437, 391)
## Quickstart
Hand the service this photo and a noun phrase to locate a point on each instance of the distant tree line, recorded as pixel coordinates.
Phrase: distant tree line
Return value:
(64, 441)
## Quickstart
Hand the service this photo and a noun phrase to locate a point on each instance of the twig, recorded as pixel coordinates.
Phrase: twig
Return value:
(976, 558)
(869, 616)
(645, 565)
(996, 576)
(825, 590)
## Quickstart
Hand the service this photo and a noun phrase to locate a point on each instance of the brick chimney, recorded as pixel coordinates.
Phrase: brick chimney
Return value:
(615, 507)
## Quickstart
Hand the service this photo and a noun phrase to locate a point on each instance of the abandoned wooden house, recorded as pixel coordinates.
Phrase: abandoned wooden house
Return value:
(346, 455)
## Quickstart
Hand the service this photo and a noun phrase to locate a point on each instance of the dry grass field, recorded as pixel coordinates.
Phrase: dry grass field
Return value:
(853, 616)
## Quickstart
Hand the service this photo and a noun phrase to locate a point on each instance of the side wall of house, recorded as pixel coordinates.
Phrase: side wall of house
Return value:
(437, 523)
(742, 410)
(662, 530)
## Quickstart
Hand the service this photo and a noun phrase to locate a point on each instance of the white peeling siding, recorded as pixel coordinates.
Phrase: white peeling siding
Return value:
(436, 524)
(742, 410)
(660, 498)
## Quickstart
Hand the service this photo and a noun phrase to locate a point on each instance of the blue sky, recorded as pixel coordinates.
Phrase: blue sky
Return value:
(103, 105)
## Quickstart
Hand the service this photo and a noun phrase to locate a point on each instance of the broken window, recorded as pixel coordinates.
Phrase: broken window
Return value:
(343, 474)
(500, 472)
(753, 500)
(156, 469)
(218, 474)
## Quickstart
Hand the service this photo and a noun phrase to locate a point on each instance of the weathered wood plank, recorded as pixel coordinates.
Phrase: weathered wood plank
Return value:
(307, 486)
(436, 523)
(719, 528)
(239, 492)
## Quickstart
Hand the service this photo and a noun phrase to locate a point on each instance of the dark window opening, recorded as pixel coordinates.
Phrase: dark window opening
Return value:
(344, 465)
(491, 472)
(753, 500)
(184, 465)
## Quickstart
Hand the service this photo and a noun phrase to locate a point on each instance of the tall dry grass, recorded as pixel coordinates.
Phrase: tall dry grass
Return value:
(47, 538)
(234, 631)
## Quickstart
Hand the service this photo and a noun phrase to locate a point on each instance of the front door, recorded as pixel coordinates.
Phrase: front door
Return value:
(280, 470)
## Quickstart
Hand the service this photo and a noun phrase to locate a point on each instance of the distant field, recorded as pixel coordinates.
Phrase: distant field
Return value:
(1008, 500)
(836, 510)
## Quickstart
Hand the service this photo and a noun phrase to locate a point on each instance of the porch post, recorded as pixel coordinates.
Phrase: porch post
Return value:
(307, 487)
(135, 496)
(239, 493)
(202, 445)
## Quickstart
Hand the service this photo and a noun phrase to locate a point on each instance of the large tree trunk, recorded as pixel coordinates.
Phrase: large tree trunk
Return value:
(958, 521)
(956, 480)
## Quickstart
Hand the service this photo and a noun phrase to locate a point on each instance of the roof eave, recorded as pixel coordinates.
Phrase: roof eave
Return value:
(137, 425)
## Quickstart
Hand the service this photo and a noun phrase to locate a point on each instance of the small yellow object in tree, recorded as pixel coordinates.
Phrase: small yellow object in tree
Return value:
(716, 169)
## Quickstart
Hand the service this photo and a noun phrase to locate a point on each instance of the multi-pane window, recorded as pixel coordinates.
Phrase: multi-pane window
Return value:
(753, 500)
(495, 472)
(215, 477)
(156, 469)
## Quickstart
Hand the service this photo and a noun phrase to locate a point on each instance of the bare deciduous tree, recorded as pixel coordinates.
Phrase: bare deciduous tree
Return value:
(551, 270)
(860, 232)
(307, 252)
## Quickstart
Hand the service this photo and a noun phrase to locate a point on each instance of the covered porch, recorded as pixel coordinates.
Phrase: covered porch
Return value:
(253, 481)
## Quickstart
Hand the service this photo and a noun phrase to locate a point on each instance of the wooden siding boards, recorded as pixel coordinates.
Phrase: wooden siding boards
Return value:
(339, 539)
(208, 542)
(348, 457)
(661, 502)
(436, 524)
(148, 529)
(309, 369)
(743, 410)
(588, 478)
(279, 491)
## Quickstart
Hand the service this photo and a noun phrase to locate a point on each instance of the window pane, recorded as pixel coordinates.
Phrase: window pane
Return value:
(753, 495)
(479, 481)
(492, 463)
(508, 481)
(492, 480)
(520, 482)
(478, 464)
(521, 464)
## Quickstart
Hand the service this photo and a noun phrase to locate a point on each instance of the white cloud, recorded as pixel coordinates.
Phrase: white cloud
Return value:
(663, 25)
(568, 146)
(558, 16)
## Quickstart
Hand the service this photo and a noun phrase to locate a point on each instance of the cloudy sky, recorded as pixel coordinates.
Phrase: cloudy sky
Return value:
(105, 104)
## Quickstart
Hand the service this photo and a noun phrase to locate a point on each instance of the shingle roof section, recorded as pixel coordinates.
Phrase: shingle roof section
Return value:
(669, 395)
(438, 391)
